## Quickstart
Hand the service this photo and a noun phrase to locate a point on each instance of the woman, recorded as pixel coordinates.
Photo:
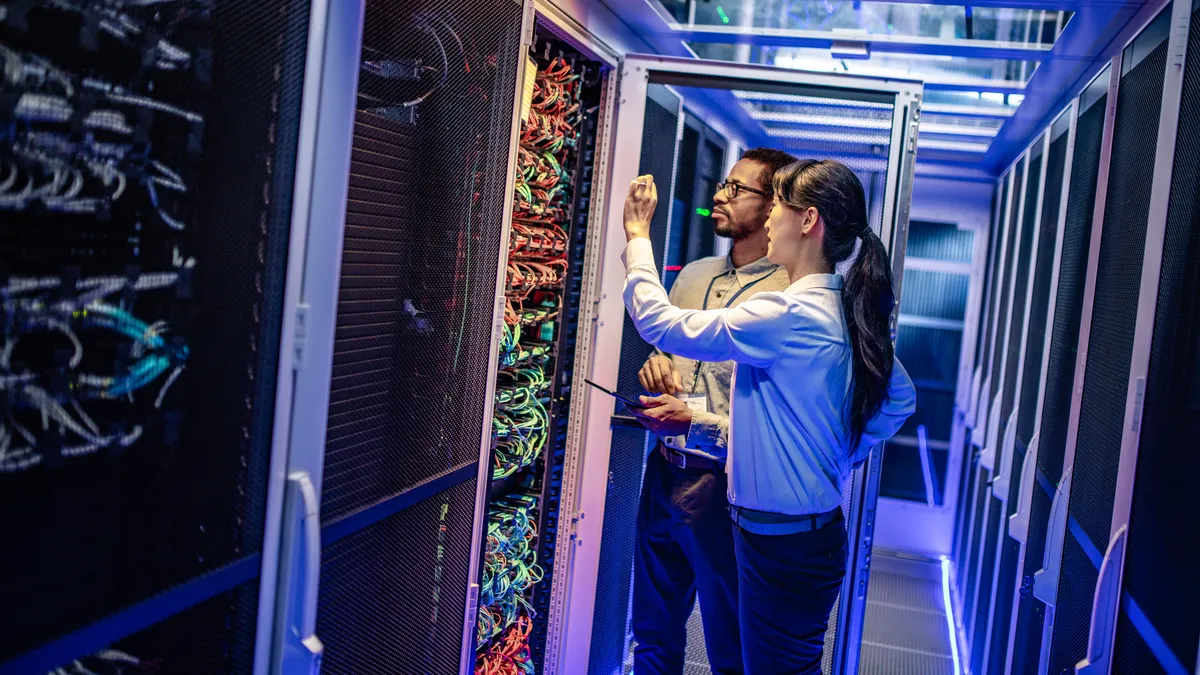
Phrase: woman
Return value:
(816, 387)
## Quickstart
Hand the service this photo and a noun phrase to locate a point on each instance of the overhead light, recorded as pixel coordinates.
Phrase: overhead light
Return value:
(850, 50)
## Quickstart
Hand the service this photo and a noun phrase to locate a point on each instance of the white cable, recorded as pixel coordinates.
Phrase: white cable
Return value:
(162, 393)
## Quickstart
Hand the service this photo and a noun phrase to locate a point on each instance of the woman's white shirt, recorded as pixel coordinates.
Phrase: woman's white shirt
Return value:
(788, 441)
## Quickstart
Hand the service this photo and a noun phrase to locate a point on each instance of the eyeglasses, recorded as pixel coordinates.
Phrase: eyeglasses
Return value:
(732, 189)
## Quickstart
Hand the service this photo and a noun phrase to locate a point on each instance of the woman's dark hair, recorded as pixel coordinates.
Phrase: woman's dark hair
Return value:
(836, 193)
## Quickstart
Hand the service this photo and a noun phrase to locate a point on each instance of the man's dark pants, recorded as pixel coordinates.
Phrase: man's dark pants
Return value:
(684, 549)
(787, 585)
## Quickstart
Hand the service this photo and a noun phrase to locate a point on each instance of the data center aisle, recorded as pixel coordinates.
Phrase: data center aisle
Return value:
(905, 632)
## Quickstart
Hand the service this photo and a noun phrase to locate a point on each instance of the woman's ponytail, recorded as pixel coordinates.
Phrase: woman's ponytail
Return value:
(868, 302)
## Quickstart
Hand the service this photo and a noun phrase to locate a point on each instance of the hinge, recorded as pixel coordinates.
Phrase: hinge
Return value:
(527, 39)
(574, 532)
(1139, 400)
(300, 343)
(472, 602)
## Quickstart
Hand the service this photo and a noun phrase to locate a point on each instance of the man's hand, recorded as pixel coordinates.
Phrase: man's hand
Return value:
(658, 376)
(639, 207)
(665, 415)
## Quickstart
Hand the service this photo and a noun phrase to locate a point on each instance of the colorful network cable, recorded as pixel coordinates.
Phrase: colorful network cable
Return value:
(510, 566)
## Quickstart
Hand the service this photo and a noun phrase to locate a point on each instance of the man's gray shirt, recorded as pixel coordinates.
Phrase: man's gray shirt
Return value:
(724, 285)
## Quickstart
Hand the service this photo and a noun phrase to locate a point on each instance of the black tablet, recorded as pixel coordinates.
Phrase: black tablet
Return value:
(629, 403)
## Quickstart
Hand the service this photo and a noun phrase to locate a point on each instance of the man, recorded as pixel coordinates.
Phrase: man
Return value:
(685, 535)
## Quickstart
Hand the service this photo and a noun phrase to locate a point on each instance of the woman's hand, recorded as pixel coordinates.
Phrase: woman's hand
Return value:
(658, 376)
(639, 207)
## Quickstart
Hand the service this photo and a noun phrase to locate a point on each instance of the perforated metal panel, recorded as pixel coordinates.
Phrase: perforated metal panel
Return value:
(417, 290)
(1115, 312)
(1068, 309)
(1159, 569)
(1043, 269)
(1004, 295)
(1073, 610)
(981, 496)
(183, 492)
(988, 555)
(1133, 655)
(393, 595)
(989, 292)
(610, 626)
(215, 637)
(1031, 613)
(1016, 323)
(1009, 553)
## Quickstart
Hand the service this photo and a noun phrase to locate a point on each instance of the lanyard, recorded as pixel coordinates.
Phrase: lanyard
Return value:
(733, 297)
(730, 301)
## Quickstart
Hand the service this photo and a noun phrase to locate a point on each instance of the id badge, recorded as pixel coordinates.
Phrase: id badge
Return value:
(696, 402)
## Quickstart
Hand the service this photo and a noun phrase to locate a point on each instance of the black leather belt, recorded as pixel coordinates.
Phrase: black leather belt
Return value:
(765, 522)
(688, 461)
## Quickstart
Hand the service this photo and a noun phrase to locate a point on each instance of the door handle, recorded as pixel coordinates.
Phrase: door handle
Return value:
(299, 650)
(1007, 449)
(981, 413)
(1018, 522)
(1045, 580)
(973, 400)
(988, 459)
(1104, 609)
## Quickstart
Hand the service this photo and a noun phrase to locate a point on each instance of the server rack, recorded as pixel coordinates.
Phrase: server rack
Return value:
(534, 481)
(393, 392)
(153, 175)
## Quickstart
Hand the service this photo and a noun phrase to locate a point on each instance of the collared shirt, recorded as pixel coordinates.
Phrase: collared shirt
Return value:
(789, 447)
(710, 283)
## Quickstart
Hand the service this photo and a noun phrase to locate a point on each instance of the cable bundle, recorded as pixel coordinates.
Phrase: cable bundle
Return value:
(521, 422)
(538, 246)
(39, 398)
(92, 150)
(113, 662)
(510, 566)
(509, 656)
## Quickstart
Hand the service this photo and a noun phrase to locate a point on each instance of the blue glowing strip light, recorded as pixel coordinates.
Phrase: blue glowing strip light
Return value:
(950, 626)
